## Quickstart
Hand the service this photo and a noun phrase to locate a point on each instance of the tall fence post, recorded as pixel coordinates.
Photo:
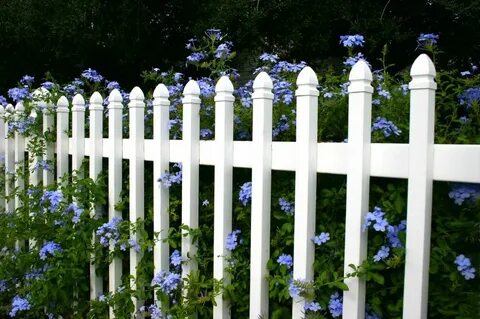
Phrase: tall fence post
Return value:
(222, 223)
(62, 137)
(9, 163)
(190, 170)
(305, 181)
(95, 167)
(115, 131)
(78, 133)
(420, 184)
(136, 109)
(161, 140)
(48, 126)
(2, 150)
(261, 194)
(358, 182)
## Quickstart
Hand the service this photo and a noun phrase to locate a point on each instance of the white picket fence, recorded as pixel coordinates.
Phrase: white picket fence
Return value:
(420, 161)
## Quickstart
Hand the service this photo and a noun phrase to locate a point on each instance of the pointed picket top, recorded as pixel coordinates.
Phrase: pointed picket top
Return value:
(224, 85)
(9, 108)
(33, 114)
(360, 78)
(62, 104)
(115, 100)
(78, 103)
(423, 73)
(263, 81)
(307, 83)
(161, 91)
(2, 110)
(191, 93)
(96, 101)
(19, 107)
(136, 98)
(41, 92)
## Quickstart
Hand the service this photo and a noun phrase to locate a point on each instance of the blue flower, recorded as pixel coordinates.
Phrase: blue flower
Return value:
(470, 96)
(281, 126)
(190, 44)
(380, 223)
(223, 50)
(386, 126)
(53, 197)
(464, 266)
(269, 57)
(167, 281)
(109, 232)
(312, 306)
(91, 75)
(245, 194)
(293, 290)
(286, 206)
(134, 245)
(19, 304)
(350, 41)
(42, 164)
(168, 179)
(286, 260)
(392, 234)
(49, 248)
(232, 240)
(206, 133)
(196, 57)
(382, 253)
(77, 212)
(350, 61)
(19, 94)
(47, 85)
(27, 80)
(384, 93)
(176, 258)
(464, 192)
(335, 305)
(216, 34)
(245, 94)
(3, 100)
(3, 285)
(112, 85)
(321, 239)
(428, 38)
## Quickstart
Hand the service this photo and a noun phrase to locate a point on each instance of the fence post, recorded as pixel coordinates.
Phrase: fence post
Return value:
(305, 181)
(2, 150)
(78, 133)
(136, 109)
(222, 224)
(62, 137)
(9, 164)
(261, 194)
(161, 140)
(358, 182)
(420, 184)
(190, 170)
(115, 134)
(36, 175)
(95, 162)
(48, 125)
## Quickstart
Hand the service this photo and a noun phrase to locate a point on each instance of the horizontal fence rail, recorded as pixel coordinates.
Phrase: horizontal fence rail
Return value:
(420, 161)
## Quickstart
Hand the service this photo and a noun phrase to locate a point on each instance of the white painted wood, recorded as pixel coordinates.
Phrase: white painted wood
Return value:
(9, 163)
(78, 132)
(466, 159)
(261, 194)
(95, 167)
(222, 223)
(48, 125)
(305, 180)
(420, 184)
(190, 164)
(136, 110)
(161, 151)
(2, 150)
(115, 107)
(36, 175)
(62, 137)
(358, 183)
(19, 156)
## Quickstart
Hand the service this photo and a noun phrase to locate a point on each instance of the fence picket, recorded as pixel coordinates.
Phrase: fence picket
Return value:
(420, 184)
(358, 183)
(136, 109)
(2, 151)
(190, 170)
(261, 198)
(161, 147)
(48, 157)
(19, 154)
(115, 130)
(222, 186)
(9, 164)
(95, 162)
(62, 137)
(78, 132)
(305, 180)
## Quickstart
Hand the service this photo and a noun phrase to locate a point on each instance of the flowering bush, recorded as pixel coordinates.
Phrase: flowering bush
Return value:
(46, 244)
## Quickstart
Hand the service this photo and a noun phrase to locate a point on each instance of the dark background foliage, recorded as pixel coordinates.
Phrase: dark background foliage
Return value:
(122, 37)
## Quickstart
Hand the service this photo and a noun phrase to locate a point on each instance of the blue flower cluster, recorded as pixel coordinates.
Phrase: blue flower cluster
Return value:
(77, 212)
(167, 281)
(321, 239)
(387, 127)
(155, 312)
(281, 126)
(176, 258)
(168, 179)
(109, 232)
(42, 164)
(294, 290)
(351, 41)
(470, 96)
(20, 126)
(350, 61)
(19, 304)
(376, 217)
(335, 305)
(286, 260)
(232, 240)
(47, 85)
(382, 254)
(464, 266)
(312, 306)
(27, 80)
(3, 285)
(286, 206)
(245, 194)
(49, 248)
(428, 38)
(19, 94)
(464, 192)
(92, 75)
(53, 198)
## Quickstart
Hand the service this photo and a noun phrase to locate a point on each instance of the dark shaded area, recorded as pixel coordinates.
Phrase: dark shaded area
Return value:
(122, 37)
